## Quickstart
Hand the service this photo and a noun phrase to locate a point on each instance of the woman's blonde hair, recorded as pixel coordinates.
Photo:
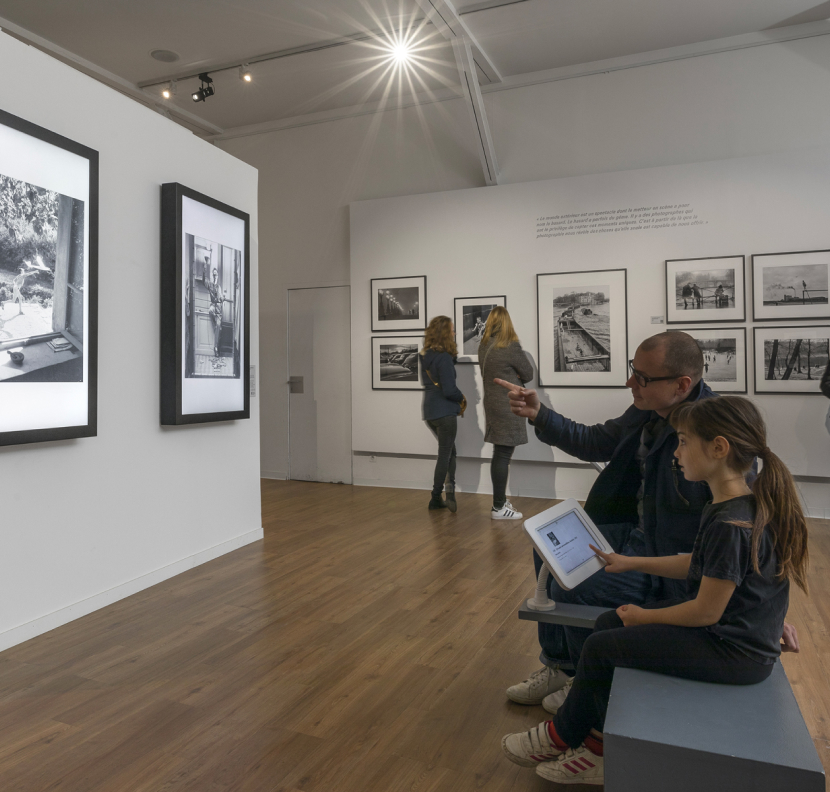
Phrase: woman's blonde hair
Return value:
(439, 336)
(500, 328)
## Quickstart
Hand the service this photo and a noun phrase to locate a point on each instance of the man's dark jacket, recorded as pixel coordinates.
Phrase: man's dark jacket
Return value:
(672, 506)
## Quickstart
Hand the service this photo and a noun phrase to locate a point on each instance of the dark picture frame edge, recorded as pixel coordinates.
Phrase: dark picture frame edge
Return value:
(540, 384)
(372, 353)
(704, 321)
(372, 304)
(755, 378)
(755, 318)
(454, 310)
(90, 429)
(171, 261)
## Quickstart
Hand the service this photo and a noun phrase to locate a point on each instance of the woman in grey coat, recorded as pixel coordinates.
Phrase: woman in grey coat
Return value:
(500, 356)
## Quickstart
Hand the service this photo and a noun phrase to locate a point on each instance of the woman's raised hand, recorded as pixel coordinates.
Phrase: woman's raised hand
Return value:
(614, 562)
(523, 402)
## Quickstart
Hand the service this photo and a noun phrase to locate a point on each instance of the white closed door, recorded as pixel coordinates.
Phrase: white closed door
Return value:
(319, 383)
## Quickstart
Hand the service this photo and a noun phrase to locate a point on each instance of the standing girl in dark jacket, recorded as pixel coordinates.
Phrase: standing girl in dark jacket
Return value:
(442, 404)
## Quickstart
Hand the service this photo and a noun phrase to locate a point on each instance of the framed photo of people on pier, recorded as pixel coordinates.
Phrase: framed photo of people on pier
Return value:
(398, 304)
(48, 285)
(582, 326)
(790, 285)
(705, 290)
(205, 308)
(790, 359)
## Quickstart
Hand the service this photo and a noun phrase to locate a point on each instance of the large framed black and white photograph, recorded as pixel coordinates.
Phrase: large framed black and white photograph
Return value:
(790, 359)
(48, 285)
(790, 285)
(205, 321)
(471, 315)
(398, 304)
(724, 356)
(396, 362)
(705, 290)
(582, 325)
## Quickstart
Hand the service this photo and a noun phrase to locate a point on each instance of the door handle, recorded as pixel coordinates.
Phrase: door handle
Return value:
(295, 384)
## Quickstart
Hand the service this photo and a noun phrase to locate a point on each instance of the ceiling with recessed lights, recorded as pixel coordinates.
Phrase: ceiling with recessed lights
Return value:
(321, 56)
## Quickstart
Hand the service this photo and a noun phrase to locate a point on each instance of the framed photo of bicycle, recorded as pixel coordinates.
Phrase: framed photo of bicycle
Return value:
(706, 290)
(205, 308)
(790, 285)
(790, 359)
(582, 327)
(470, 317)
(48, 285)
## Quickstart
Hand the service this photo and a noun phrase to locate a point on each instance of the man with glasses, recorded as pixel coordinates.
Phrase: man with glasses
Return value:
(640, 501)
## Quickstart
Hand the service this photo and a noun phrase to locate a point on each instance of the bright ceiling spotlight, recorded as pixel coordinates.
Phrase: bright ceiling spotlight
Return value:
(170, 90)
(245, 73)
(401, 52)
(205, 90)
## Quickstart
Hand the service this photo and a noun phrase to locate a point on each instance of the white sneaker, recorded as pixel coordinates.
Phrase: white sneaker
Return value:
(505, 513)
(554, 701)
(575, 766)
(539, 684)
(530, 748)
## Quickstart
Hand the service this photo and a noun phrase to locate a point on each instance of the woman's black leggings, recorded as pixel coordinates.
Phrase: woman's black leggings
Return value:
(688, 652)
(445, 430)
(499, 468)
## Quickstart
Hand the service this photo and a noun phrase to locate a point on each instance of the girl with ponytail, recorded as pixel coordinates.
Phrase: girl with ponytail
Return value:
(751, 544)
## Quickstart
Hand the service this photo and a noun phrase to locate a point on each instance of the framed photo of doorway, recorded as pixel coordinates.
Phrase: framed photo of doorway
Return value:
(205, 308)
(48, 285)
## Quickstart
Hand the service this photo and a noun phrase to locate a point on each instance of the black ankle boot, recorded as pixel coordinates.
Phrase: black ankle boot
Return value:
(436, 503)
(451, 504)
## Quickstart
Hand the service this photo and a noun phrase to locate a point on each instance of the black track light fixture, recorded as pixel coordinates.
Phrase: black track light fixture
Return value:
(205, 89)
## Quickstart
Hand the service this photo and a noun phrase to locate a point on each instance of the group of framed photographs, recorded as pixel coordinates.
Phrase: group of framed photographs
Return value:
(785, 287)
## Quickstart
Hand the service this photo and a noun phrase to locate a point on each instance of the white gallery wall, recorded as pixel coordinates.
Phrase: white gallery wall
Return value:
(89, 521)
(764, 99)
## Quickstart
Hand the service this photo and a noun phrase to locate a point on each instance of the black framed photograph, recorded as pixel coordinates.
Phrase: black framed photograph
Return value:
(205, 308)
(470, 318)
(790, 359)
(48, 285)
(582, 327)
(396, 362)
(706, 290)
(790, 285)
(398, 304)
(724, 356)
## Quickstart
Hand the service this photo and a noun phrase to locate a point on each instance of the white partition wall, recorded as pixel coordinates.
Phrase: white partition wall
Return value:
(87, 522)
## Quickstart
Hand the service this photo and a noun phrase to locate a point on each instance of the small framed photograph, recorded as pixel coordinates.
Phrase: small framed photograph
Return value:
(582, 326)
(205, 266)
(790, 285)
(790, 359)
(724, 356)
(470, 317)
(48, 285)
(396, 362)
(705, 290)
(399, 304)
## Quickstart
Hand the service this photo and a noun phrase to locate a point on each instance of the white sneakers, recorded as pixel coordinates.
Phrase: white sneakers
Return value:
(554, 701)
(530, 748)
(575, 766)
(506, 512)
(538, 686)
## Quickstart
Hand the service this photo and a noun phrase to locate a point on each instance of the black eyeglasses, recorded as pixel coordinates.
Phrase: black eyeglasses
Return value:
(642, 379)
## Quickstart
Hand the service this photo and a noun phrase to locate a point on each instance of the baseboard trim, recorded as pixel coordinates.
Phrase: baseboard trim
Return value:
(279, 475)
(43, 624)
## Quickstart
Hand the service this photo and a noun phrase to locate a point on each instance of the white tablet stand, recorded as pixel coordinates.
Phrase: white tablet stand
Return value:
(542, 602)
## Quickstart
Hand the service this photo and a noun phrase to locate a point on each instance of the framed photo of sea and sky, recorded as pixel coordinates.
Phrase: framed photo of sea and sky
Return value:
(48, 285)
(205, 308)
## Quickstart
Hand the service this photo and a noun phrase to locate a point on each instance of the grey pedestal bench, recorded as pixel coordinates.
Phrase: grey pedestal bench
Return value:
(664, 734)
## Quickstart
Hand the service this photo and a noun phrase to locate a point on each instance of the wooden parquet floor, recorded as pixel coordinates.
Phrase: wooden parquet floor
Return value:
(364, 646)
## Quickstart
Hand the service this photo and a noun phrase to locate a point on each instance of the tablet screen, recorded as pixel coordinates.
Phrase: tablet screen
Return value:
(567, 539)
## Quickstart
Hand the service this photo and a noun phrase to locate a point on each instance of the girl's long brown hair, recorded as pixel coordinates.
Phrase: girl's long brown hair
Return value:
(778, 505)
(500, 327)
(439, 336)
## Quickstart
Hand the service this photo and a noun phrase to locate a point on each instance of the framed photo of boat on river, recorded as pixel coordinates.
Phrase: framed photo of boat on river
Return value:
(582, 325)
(790, 285)
(705, 290)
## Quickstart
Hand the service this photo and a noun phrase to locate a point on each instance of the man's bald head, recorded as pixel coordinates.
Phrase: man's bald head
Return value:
(681, 354)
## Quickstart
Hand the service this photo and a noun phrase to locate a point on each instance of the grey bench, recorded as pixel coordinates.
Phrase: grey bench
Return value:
(664, 734)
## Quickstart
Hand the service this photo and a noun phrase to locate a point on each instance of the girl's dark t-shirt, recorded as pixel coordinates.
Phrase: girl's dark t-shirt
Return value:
(754, 617)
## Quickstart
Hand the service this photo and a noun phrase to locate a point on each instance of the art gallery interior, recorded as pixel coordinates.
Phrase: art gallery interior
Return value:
(224, 575)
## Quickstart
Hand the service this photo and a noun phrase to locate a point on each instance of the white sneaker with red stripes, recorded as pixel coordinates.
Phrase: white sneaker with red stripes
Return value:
(530, 748)
(575, 766)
